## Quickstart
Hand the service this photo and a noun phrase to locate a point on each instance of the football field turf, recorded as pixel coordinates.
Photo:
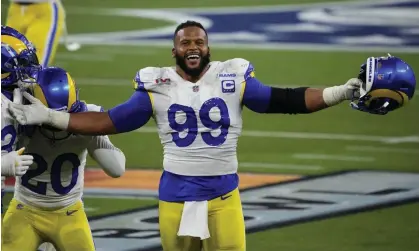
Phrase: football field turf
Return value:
(335, 146)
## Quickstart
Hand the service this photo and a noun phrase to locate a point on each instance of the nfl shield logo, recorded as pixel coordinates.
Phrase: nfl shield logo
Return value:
(195, 88)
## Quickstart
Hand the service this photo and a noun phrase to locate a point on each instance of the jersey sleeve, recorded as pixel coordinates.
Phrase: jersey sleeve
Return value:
(138, 109)
(241, 67)
(145, 78)
(132, 114)
(254, 95)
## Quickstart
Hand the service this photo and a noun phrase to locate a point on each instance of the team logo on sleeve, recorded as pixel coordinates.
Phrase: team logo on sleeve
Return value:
(228, 86)
(163, 81)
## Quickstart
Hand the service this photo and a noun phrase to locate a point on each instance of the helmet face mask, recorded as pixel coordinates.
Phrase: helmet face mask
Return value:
(19, 59)
(388, 84)
(53, 134)
(25, 66)
(380, 104)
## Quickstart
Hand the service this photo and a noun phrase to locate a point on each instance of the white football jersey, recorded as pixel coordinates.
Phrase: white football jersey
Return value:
(198, 123)
(56, 178)
(9, 130)
(9, 127)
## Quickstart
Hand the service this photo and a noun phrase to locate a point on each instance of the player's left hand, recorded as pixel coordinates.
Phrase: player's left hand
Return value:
(34, 114)
(15, 163)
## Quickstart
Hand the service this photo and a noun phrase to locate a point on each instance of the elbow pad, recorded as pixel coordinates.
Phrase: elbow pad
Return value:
(111, 161)
(110, 158)
(288, 100)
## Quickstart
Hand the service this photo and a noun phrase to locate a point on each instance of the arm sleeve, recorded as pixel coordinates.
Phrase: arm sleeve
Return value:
(261, 98)
(111, 159)
(132, 114)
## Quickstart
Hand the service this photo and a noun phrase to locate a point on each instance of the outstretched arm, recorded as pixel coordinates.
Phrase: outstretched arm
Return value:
(266, 99)
(128, 116)
(87, 123)
(125, 117)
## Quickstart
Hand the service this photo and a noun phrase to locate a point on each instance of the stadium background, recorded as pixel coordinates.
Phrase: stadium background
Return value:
(282, 147)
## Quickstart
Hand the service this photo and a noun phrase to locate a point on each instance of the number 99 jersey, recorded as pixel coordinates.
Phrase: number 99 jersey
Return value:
(198, 123)
(56, 178)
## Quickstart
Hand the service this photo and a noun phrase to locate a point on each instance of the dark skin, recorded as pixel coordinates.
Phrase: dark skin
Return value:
(187, 40)
(191, 40)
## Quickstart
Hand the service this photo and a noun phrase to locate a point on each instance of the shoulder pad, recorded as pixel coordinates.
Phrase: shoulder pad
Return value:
(145, 78)
(94, 108)
(240, 66)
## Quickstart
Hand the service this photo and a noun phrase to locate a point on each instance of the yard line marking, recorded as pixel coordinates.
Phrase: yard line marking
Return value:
(280, 166)
(312, 156)
(310, 47)
(309, 135)
(110, 192)
(90, 209)
(105, 81)
(123, 51)
(86, 57)
(381, 149)
(404, 139)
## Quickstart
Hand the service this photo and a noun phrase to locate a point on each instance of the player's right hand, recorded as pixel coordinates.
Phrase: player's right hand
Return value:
(336, 94)
(34, 114)
(15, 163)
(352, 88)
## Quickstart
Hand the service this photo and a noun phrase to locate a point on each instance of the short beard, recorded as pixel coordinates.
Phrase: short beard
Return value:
(181, 61)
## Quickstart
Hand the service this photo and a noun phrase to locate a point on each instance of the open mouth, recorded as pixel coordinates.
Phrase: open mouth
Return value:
(193, 58)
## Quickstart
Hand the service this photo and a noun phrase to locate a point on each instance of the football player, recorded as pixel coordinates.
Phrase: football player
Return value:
(42, 22)
(197, 107)
(47, 202)
(18, 63)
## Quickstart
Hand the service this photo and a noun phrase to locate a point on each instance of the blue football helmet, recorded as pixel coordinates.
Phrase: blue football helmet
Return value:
(18, 58)
(388, 84)
(57, 90)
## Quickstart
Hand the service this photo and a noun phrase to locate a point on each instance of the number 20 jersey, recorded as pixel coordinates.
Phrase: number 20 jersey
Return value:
(56, 178)
(198, 123)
